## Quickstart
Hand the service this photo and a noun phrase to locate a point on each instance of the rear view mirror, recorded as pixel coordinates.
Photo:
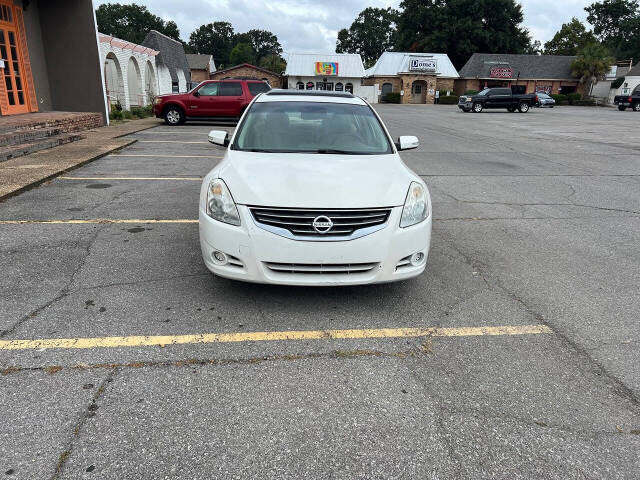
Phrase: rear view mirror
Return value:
(407, 142)
(218, 137)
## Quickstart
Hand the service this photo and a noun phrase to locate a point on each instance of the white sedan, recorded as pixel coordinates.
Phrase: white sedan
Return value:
(312, 191)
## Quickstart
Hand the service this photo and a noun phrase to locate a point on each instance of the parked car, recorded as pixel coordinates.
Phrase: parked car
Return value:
(209, 99)
(628, 101)
(496, 98)
(312, 191)
(545, 100)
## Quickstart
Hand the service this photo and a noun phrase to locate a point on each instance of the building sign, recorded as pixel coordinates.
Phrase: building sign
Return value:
(421, 64)
(326, 68)
(543, 89)
(501, 72)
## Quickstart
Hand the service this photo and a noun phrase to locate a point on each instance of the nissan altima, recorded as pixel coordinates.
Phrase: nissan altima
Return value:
(312, 191)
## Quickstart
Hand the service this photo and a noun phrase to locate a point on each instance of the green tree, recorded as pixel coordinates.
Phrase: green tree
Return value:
(570, 39)
(263, 42)
(213, 39)
(462, 27)
(242, 53)
(274, 63)
(616, 23)
(592, 63)
(132, 22)
(371, 33)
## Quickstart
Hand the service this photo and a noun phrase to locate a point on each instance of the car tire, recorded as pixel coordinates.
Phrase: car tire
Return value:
(523, 107)
(622, 108)
(173, 116)
(477, 107)
(636, 107)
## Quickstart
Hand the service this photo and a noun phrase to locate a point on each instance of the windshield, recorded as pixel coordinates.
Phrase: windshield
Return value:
(484, 92)
(542, 95)
(311, 127)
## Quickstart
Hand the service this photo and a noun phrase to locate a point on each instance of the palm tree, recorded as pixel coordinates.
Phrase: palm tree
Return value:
(592, 63)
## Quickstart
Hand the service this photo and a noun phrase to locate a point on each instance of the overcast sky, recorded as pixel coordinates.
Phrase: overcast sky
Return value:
(312, 25)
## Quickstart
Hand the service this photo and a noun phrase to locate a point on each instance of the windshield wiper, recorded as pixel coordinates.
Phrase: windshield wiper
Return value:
(333, 150)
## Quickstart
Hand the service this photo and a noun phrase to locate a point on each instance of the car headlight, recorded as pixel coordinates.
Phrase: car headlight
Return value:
(416, 206)
(157, 101)
(220, 205)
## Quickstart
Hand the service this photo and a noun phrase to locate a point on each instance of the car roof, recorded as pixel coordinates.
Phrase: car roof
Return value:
(282, 95)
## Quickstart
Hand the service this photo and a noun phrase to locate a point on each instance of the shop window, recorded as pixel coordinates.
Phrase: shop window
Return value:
(309, 85)
(417, 89)
(175, 87)
(349, 87)
(519, 89)
(300, 86)
(386, 88)
(339, 87)
(324, 86)
(566, 89)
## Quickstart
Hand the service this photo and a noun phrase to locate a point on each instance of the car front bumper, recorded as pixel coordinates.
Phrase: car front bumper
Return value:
(255, 251)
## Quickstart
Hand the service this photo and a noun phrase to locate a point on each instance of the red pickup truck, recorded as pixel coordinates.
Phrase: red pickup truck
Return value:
(211, 98)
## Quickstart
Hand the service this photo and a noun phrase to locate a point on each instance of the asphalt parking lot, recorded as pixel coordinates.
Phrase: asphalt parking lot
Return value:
(525, 362)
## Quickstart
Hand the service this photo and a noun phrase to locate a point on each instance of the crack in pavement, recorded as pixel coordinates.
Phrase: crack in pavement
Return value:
(85, 415)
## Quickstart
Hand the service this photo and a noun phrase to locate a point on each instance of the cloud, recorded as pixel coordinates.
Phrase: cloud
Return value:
(312, 26)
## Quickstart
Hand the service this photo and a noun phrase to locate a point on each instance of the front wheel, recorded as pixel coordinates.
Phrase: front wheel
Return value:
(173, 116)
(477, 107)
(636, 107)
(523, 108)
(622, 108)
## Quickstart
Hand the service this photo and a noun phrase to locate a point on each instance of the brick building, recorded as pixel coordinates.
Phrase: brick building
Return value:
(202, 66)
(416, 76)
(246, 70)
(523, 73)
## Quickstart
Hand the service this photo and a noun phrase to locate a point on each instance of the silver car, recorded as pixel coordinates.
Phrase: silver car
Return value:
(545, 100)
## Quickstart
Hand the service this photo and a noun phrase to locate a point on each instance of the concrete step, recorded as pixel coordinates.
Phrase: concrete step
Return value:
(19, 137)
(26, 148)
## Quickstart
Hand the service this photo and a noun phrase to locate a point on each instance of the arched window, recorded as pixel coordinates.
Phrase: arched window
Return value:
(349, 87)
(309, 85)
(339, 87)
(386, 88)
(300, 86)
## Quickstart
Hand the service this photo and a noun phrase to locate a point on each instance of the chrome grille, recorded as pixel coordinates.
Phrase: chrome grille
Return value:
(298, 222)
(321, 268)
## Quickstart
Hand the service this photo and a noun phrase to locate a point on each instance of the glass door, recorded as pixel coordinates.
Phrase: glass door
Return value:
(12, 73)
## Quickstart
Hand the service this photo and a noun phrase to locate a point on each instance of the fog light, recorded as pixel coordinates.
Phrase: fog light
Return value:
(417, 258)
(219, 257)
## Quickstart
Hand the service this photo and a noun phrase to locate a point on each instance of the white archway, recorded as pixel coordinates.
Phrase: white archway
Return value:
(150, 82)
(134, 81)
(114, 80)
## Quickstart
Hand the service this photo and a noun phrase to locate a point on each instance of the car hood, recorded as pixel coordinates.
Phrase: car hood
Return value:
(316, 180)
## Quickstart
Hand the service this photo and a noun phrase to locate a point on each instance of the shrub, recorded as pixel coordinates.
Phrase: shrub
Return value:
(127, 114)
(573, 97)
(115, 115)
(588, 102)
(391, 97)
(117, 106)
(560, 99)
(617, 83)
(449, 100)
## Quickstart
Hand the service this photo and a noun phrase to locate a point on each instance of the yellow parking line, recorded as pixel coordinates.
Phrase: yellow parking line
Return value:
(155, 155)
(191, 179)
(97, 220)
(162, 340)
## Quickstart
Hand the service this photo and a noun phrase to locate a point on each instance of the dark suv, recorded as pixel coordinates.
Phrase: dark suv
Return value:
(210, 99)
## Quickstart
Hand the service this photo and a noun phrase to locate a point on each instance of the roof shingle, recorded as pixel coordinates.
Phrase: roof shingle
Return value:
(171, 54)
(547, 67)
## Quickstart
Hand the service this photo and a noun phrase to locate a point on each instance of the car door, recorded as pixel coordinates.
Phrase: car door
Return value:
(502, 98)
(202, 102)
(490, 99)
(231, 99)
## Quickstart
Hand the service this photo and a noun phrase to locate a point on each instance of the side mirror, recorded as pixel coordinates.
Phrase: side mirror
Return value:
(407, 142)
(196, 93)
(218, 137)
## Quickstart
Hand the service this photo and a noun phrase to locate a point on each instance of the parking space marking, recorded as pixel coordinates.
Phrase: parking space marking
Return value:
(190, 179)
(97, 220)
(156, 155)
(163, 340)
(168, 141)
